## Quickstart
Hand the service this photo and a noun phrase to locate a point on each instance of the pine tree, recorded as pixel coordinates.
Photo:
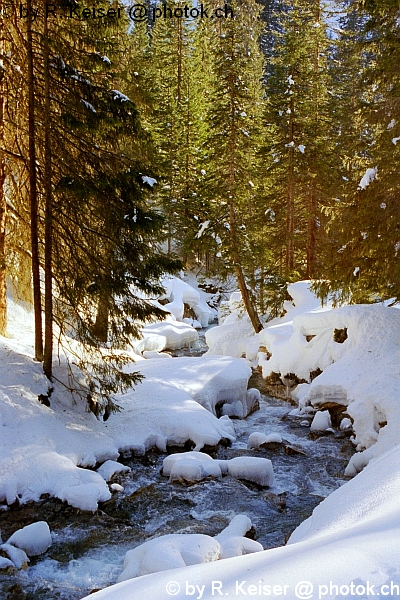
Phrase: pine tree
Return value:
(364, 220)
(234, 118)
(299, 151)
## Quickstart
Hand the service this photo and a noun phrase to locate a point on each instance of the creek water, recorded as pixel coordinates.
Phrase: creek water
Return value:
(88, 550)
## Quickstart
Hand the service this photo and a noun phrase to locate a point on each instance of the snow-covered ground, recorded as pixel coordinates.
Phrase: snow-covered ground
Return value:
(53, 450)
(360, 370)
(348, 547)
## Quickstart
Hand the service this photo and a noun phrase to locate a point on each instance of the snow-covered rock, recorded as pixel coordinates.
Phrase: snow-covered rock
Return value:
(170, 333)
(169, 552)
(232, 539)
(17, 556)
(190, 467)
(258, 470)
(6, 563)
(33, 539)
(257, 439)
(195, 466)
(321, 421)
(346, 424)
(178, 550)
(109, 468)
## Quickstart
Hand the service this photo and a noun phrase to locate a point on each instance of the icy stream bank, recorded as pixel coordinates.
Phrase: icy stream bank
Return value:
(88, 550)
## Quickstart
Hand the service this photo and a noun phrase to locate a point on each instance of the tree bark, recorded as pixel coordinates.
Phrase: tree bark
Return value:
(251, 311)
(290, 197)
(37, 303)
(100, 327)
(48, 223)
(3, 209)
(312, 202)
(311, 231)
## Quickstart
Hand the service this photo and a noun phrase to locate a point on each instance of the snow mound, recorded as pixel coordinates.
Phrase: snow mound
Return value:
(178, 293)
(169, 552)
(33, 539)
(190, 466)
(109, 468)
(257, 439)
(232, 539)
(321, 421)
(169, 334)
(179, 550)
(257, 470)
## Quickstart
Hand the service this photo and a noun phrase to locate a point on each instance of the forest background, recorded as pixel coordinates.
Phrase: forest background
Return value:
(263, 145)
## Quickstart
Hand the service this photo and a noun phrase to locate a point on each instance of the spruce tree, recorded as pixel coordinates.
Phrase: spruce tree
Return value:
(235, 118)
(299, 151)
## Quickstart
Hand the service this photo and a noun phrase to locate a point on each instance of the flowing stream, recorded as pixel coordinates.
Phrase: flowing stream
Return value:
(88, 550)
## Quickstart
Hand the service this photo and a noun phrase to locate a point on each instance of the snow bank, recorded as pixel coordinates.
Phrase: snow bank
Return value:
(46, 450)
(352, 537)
(211, 381)
(178, 550)
(362, 372)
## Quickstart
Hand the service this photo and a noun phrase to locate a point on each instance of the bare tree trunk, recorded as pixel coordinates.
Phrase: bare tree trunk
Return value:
(251, 311)
(3, 202)
(37, 303)
(311, 231)
(48, 223)
(312, 202)
(3, 209)
(100, 327)
(290, 198)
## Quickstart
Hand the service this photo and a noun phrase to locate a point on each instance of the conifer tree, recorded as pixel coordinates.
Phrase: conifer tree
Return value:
(365, 219)
(235, 113)
(299, 150)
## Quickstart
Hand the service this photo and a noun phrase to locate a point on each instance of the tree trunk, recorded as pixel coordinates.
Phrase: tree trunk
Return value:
(37, 303)
(312, 202)
(100, 327)
(251, 311)
(290, 198)
(3, 202)
(48, 223)
(311, 231)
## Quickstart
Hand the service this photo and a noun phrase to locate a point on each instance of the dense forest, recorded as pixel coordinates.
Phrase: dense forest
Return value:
(262, 144)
